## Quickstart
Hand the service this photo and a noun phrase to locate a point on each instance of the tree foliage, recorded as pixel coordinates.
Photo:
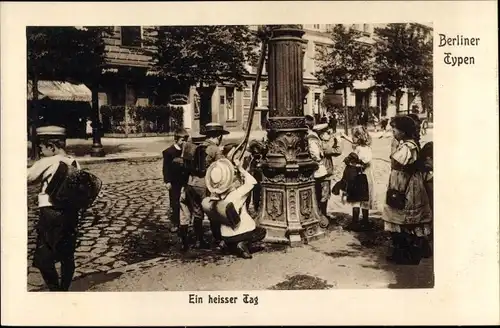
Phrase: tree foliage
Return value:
(403, 57)
(66, 53)
(345, 61)
(192, 55)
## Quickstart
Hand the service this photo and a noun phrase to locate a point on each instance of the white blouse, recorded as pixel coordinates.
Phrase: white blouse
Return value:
(238, 197)
(406, 153)
(43, 170)
(364, 153)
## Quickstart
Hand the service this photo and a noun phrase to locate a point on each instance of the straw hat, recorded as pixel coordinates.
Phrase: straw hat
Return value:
(51, 130)
(220, 176)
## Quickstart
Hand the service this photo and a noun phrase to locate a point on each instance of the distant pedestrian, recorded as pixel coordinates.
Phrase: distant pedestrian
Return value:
(56, 240)
(364, 118)
(88, 129)
(333, 121)
(384, 121)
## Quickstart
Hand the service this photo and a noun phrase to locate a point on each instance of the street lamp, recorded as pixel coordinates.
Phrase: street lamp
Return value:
(97, 149)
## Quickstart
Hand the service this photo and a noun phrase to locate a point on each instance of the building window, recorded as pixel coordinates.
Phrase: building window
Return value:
(366, 28)
(316, 26)
(196, 107)
(356, 27)
(131, 36)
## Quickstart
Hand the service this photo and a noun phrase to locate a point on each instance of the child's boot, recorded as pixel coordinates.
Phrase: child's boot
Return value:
(365, 222)
(200, 238)
(355, 219)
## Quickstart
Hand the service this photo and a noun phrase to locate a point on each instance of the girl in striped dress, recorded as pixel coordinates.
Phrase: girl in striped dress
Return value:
(407, 213)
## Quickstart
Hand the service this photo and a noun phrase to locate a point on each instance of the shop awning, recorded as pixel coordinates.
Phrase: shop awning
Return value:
(363, 85)
(59, 90)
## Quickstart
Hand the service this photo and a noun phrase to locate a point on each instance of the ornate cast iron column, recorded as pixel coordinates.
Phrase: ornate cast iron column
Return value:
(289, 209)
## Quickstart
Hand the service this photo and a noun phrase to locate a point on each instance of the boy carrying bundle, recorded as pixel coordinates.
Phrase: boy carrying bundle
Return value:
(65, 190)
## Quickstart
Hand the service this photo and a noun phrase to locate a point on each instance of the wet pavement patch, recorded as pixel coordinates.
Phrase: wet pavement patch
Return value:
(154, 241)
(341, 253)
(302, 282)
(338, 219)
(86, 282)
(269, 248)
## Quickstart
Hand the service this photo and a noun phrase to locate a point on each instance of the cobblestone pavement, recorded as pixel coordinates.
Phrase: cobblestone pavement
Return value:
(133, 199)
(129, 221)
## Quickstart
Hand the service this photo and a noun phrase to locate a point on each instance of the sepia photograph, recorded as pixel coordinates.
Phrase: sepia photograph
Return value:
(230, 157)
(249, 163)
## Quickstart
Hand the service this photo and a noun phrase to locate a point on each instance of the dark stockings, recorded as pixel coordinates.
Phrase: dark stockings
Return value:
(323, 207)
(67, 272)
(407, 248)
(365, 215)
(215, 228)
(183, 234)
(355, 214)
(51, 278)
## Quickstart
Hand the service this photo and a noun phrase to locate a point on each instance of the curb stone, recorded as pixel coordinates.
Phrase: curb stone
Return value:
(140, 157)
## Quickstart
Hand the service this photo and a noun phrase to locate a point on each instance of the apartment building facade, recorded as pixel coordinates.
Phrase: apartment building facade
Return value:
(129, 83)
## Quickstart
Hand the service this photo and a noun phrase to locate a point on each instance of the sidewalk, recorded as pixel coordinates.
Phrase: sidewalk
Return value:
(147, 148)
(122, 149)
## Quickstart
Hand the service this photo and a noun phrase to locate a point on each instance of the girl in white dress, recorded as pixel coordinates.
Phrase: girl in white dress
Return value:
(361, 144)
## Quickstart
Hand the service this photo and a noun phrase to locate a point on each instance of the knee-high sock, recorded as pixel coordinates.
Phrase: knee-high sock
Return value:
(355, 213)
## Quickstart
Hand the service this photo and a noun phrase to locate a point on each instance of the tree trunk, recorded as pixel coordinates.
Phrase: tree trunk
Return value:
(126, 118)
(34, 124)
(411, 98)
(346, 113)
(399, 95)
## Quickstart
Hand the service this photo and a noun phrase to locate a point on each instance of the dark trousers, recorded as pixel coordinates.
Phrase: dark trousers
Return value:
(174, 196)
(322, 188)
(56, 242)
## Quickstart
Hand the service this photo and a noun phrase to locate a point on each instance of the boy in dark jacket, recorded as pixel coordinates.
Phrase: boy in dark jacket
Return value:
(175, 175)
